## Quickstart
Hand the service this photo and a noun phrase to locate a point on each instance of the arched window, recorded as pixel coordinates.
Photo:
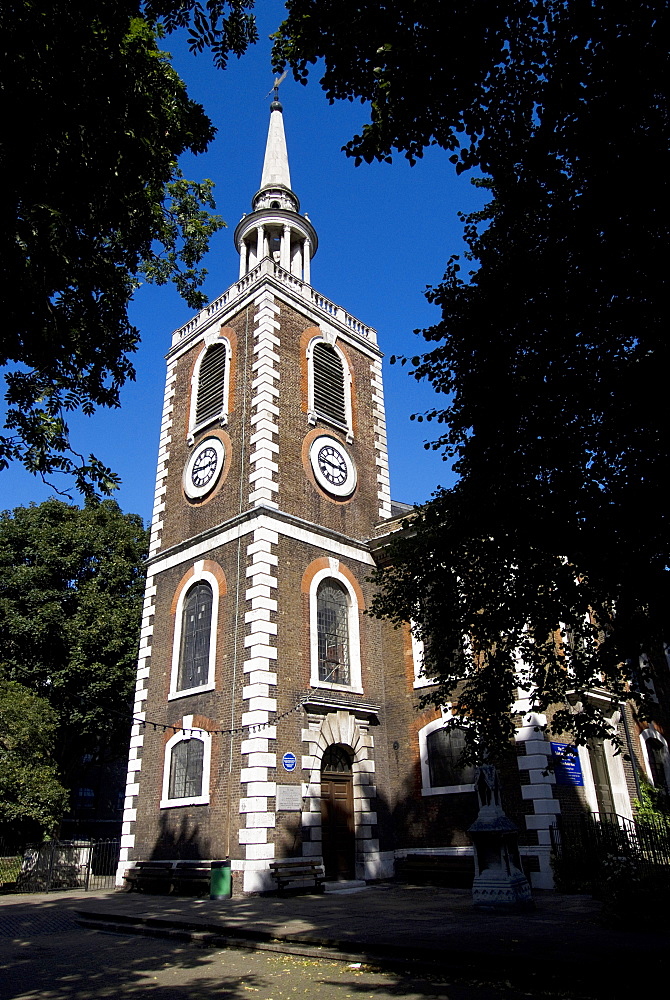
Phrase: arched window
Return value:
(658, 758)
(332, 615)
(211, 384)
(329, 388)
(440, 749)
(444, 748)
(657, 755)
(187, 766)
(336, 760)
(196, 630)
(329, 385)
(335, 606)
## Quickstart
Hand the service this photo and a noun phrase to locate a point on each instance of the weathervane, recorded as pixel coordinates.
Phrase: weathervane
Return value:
(275, 86)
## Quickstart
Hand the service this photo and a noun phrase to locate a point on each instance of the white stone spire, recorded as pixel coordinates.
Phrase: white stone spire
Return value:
(275, 230)
(275, 164)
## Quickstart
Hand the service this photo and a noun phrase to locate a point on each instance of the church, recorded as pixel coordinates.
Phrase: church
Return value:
(273, 717)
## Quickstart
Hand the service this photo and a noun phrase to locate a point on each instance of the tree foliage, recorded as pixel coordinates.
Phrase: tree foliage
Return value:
(31, 796)
(71, 584)
(93, 200)
(552, 551)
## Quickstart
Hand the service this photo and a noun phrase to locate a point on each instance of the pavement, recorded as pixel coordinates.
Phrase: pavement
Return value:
(564, 943)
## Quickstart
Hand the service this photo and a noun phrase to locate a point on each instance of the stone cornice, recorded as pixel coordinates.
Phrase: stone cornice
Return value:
(243, 523)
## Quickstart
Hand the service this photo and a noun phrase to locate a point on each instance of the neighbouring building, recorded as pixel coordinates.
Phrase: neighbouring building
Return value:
(275, 718)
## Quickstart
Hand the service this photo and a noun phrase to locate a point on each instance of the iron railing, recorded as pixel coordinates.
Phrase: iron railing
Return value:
(61, 864)
(584, 847)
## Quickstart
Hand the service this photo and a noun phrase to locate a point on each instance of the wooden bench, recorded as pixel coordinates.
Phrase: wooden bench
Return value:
(150, 876)
(191, 878)
(454, 871)
(298, 873)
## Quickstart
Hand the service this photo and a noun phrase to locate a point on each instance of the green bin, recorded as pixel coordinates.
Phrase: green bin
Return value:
(220, 885)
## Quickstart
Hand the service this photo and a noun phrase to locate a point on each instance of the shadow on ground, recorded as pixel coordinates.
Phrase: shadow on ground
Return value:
(45, 955)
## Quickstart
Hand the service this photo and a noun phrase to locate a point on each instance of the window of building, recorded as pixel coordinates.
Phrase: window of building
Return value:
(186, 769)
(334, 631)
(418, 661)
(445, 747)
(332, 616)
(194, 651)
(440, 750)
(84, 799)
(187, 766)
(329, 385)
(605, 785)
(196, 633)
(211, 382)
(209, 392)
(657, 756)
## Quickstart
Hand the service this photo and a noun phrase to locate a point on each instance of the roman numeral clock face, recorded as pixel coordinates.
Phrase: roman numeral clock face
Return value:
(203, 468)
(333, 467)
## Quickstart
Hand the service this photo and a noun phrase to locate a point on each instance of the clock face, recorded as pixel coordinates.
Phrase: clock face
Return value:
(203, 468)
(332, 466)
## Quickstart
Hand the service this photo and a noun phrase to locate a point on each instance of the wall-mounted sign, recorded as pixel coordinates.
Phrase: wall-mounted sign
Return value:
(567, 765)
(289, 798)
(289, 761)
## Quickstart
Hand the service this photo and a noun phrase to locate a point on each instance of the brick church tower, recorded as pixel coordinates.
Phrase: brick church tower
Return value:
(259, 684)
(274, 718)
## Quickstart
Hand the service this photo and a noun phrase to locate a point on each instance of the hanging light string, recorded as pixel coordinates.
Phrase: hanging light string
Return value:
(255, 727)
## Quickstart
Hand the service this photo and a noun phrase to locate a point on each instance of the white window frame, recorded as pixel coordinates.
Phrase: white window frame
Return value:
(188, 732)
(312, 415)
(616, 773)
(209, 340)
(650, 733)
(356, 684)
(426, 787)
(420, 679)
(200, 575)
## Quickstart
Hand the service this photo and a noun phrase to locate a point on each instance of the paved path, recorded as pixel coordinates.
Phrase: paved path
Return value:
(87, 965)
(561, 945)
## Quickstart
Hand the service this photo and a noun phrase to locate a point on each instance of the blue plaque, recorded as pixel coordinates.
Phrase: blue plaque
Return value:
(567, 765)
(289, 762)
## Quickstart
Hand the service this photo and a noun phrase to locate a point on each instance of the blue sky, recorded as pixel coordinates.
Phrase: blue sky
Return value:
(385, 232)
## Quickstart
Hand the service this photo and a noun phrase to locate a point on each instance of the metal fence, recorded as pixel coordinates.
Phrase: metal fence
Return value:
(61, 864)
(583, 848)
(10, 865)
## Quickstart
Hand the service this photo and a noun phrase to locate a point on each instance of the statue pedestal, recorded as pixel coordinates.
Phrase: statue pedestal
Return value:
(499, 881)
(495, 890)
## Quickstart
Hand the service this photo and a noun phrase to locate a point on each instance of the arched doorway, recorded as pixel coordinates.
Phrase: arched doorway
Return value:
(337, 813)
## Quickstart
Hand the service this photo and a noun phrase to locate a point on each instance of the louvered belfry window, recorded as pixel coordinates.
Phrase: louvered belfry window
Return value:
(329, 391)
(211, 384)
(195, 637)
(186, 767)
(332, 614)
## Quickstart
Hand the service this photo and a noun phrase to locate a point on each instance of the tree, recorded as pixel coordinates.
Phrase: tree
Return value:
(31, 797)
(71, 585)
(93, 200)
(552, 550)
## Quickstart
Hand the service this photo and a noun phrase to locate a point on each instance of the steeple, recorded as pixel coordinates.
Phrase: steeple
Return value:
(275, 229)
(275, 165)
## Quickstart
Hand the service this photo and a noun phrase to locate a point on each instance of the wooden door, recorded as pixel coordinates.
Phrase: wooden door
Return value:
(337, 817)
